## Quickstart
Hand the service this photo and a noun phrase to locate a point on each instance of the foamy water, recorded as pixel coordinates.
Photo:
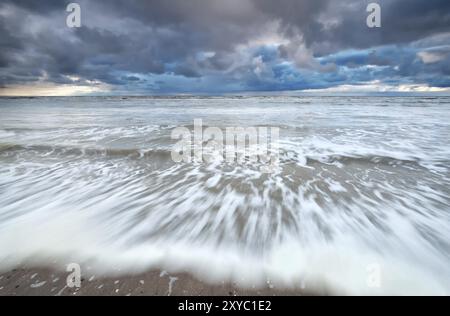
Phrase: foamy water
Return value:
(361, 183)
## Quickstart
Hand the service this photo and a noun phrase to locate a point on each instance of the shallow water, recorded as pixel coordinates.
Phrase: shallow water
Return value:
(362, 183)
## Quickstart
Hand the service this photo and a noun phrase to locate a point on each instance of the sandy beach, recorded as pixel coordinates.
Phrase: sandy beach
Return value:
(49, 282)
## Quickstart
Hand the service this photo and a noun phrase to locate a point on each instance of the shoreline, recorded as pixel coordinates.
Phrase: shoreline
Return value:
(25, 281)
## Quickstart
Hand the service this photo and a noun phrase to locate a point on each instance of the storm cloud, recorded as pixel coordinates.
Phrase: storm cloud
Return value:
(216, 46)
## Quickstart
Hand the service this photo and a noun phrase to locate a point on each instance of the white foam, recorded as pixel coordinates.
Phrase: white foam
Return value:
(6, 134)
(355, 188)
(340, 266)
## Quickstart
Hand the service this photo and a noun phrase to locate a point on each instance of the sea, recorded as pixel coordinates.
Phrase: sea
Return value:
(358, 201)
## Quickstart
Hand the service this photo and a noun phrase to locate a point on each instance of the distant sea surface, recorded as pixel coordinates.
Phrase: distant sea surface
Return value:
(359, 203)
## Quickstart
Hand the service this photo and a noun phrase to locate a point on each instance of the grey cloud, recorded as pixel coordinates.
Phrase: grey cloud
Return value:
(122, 38)
(403, 21)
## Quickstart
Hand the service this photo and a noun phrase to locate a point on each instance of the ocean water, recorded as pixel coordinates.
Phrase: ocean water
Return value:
(359, 202)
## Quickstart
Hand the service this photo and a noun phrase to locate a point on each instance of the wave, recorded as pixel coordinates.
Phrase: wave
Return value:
(286, 156)
(91, 181)
(48, 150)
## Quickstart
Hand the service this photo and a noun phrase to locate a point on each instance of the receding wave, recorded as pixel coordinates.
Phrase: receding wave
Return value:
(74, 151)
(286, 156)
(354, 188)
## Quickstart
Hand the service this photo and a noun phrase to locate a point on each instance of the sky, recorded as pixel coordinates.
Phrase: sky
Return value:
(224, 47)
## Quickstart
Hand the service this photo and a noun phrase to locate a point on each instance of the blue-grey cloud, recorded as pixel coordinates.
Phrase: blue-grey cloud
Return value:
(196, 46)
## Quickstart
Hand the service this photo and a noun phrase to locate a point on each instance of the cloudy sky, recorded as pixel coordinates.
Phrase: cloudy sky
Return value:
(217, 46)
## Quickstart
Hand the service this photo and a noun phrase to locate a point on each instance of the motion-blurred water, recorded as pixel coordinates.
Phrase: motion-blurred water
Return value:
(362, 184)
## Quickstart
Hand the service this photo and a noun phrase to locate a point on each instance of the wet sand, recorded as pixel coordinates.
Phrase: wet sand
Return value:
(48, 282)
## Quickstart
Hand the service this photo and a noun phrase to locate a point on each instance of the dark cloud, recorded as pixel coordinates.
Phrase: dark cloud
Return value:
(42, 7)
(300, 14)
(219, 46)
(403, 21)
